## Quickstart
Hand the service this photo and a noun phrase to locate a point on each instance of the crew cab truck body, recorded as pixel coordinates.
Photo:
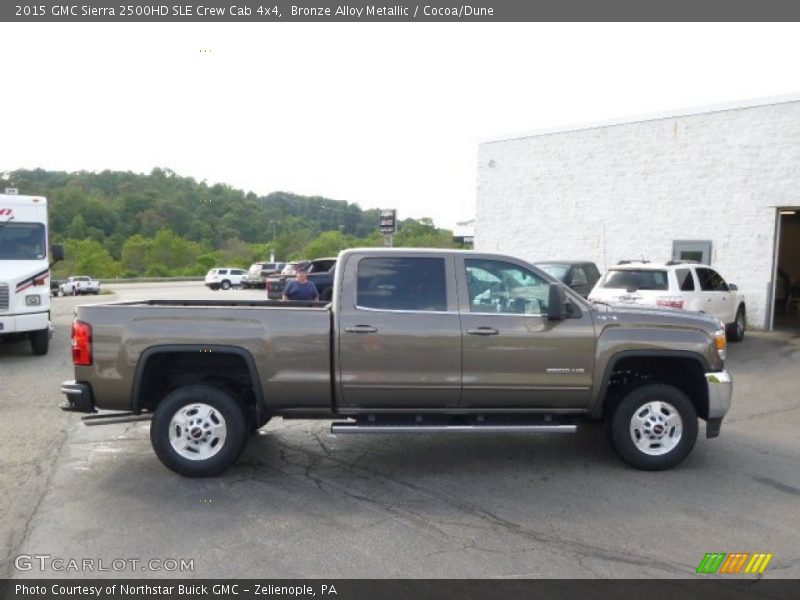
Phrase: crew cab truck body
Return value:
(413, 341)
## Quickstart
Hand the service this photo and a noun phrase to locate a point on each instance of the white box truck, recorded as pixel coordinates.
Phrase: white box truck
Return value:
(25, 270)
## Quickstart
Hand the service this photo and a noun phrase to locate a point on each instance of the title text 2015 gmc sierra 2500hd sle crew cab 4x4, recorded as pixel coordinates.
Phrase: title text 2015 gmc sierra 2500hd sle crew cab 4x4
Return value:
(413, 341)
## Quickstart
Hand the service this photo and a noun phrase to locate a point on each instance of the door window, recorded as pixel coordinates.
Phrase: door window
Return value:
(402, 284)
(501, 287)
(579, 277)
(685, 280)
(711, 281)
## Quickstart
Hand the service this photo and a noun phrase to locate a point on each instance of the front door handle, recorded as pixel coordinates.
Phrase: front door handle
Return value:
(361, 329)
(483, 331)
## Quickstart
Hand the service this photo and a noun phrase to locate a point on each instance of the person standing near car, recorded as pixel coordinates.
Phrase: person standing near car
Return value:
(300, 288)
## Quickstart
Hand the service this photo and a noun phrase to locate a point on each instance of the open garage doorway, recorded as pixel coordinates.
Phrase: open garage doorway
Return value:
(786, 307)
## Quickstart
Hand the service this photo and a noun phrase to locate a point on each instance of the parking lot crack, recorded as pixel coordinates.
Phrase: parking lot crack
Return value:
(27, 504)
(492, 521)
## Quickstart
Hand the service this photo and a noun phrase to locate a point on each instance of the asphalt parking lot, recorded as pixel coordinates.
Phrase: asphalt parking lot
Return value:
(304, 503)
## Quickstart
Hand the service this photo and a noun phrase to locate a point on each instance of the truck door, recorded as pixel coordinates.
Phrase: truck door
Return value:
(513, 356)
(399, 334)
(717, 295)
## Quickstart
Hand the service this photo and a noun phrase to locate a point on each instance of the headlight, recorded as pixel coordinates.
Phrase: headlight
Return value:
(33, 300)
(721, 341)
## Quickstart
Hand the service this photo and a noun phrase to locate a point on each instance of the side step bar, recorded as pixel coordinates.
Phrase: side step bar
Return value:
(124, 417)
(349, 427)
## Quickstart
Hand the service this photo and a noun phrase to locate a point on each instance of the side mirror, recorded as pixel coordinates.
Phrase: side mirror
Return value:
(733, 287)
(556, 307)
(57, 253)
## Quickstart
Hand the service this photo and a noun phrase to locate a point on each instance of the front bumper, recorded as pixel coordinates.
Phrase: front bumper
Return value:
(720, 390)
(79, 397)
(25, 322)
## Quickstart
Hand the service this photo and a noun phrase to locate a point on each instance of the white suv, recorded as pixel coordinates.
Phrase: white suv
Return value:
(675, 285)
(224, 278)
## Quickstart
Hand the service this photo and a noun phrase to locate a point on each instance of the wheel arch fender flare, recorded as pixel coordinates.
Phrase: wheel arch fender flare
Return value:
(596, 409)
(243, 353)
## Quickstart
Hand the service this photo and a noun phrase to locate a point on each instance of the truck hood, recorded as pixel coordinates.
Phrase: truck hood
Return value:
(646, 316)
(19, 274)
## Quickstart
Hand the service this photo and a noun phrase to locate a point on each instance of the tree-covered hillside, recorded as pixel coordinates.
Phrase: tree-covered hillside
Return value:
(125, 224)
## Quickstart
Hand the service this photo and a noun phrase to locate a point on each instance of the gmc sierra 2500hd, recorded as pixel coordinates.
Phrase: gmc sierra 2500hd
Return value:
(413, 341)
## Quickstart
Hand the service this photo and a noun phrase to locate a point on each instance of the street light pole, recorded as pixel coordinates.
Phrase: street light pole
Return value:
(274, 231)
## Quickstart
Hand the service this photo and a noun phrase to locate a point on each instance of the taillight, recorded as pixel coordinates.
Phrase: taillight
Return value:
(81, 343)
(670, 302)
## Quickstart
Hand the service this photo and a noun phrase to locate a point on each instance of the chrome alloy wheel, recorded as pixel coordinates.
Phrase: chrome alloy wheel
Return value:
(656, 428)
(197, 431)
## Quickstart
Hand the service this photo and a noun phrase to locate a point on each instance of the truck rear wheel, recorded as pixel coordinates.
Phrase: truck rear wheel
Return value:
(198, 430)
(654, 427)
(40, 342)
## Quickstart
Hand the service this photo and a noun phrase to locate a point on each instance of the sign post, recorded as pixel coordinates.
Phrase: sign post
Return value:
(388, 225)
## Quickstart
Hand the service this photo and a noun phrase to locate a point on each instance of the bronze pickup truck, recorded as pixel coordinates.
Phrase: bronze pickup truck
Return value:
(413, 341)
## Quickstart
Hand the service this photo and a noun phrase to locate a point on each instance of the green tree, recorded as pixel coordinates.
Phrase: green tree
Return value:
(134, 255)
(87, 257)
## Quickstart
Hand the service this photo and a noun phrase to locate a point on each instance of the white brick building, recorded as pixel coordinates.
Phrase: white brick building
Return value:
(729, 176)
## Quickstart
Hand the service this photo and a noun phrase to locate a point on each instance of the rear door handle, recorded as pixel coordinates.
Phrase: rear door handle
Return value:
(483, 331)
(361, 329)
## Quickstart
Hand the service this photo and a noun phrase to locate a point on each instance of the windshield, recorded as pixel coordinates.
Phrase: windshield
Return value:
(557, 271)
(22, 241)
(632, 280)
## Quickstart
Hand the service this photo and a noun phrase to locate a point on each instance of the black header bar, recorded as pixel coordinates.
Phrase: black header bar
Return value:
(732, 588)
(263, 11)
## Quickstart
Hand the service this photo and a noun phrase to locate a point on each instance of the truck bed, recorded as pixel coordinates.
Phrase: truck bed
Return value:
(290, 342)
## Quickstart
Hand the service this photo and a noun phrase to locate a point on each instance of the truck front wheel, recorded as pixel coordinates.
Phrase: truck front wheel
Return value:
(40, 342)
(654, 427)
(198, 430)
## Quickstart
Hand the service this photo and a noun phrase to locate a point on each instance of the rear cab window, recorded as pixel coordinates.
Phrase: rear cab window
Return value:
(400, 283)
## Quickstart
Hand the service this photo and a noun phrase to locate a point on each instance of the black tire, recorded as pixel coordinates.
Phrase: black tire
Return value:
(40, 342)
(226, 406)
(735, 330)
(634, 402)
(225, 285)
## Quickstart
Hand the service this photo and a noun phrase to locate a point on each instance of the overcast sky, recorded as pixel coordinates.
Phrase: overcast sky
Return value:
(385, 115)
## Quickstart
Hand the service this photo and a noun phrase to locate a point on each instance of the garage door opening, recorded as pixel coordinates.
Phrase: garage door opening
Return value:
(786, 308)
